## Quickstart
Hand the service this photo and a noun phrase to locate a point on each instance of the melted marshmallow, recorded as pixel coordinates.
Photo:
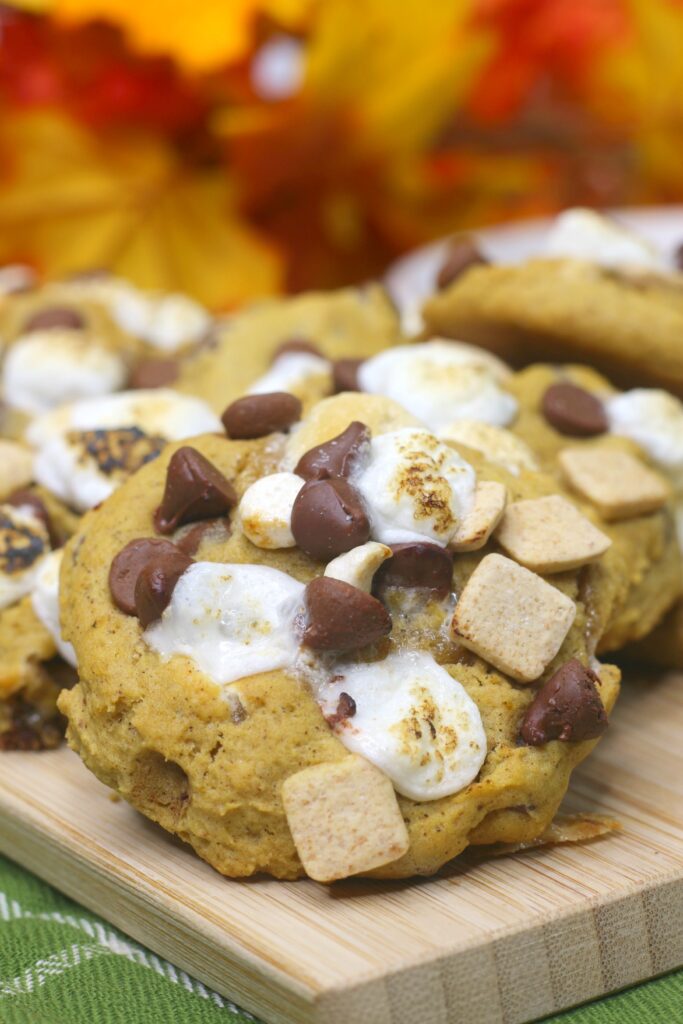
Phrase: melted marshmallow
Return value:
(413, 721)
(232, 621)
(498, 445)
(24, 543)
(654, 420)
(585, 235)
(414, 487)
(290, 372)
(45, 601)
(439, 381)
(159, 411)
(43, 369)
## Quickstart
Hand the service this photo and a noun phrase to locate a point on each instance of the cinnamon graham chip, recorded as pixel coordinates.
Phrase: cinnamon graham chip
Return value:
(344, 818)
(476, 527)
(550, 535)
(563, 829)
(618, 484)
(512, 618)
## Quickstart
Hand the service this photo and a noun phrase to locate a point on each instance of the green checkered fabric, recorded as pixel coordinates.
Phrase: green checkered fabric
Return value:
(62, 964)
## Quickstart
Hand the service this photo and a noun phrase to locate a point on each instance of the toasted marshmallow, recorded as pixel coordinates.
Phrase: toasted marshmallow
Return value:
(45, 601)
(439, 381)
(232, 621)
(173, 321)
(83, 467)
(292, 371)
(359, 565)
(24, 543)
(265, 510)
(43, 369)
(499, 446)
(414, 487)
(158, 411)
(586, 235)
(654, 420)
(413, 720)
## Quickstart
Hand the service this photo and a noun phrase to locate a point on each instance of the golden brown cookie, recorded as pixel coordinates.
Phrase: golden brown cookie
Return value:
(208, 759)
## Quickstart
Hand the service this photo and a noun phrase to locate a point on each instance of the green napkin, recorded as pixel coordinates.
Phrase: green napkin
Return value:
(61, 964)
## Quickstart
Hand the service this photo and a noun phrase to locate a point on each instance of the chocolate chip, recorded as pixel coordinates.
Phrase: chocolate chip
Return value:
(23, 498)
(345, 375)
(258, 415)
(194, 490)
(129, 563)
(54, 317)
(341, 617)
(328, 518)
(346, 708)
(417, 564)
(190, 541)
(154, 373)
(336, 457)
(574, 411)
(567, 707)
(462, 253)
(297, 345)
(155, 584)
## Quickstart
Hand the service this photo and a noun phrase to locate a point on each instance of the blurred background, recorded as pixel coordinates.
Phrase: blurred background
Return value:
(235, 149)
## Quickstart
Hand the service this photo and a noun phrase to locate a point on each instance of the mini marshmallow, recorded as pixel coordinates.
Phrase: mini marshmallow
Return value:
(291, 372)
(475, 528)
(16, 467)
(43, 369)
(412, 720)
(359, 565)
(512, 618)
(653, 419)
(550, 535)
(160, 412)
(414, 487)
(175, 320)
(438, 381)
(232, 621)
(586, 235)
(344, 819)
(618, 484)
(499, 446)
(24, 543)
(265, 510)
(45, 601)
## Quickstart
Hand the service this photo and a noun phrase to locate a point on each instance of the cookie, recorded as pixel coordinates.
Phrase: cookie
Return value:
(293, 345)
(626, 326)
(242, 747)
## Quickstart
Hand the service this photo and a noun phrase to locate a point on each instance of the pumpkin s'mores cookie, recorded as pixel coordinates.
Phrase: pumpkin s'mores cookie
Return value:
(308, 346)
(374, 654)
(597, 294)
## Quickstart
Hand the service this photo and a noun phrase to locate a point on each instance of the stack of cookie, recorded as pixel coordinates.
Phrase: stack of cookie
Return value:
(334, 600)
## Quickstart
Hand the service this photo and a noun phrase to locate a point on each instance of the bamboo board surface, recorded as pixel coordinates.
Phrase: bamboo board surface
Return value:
(500, 942)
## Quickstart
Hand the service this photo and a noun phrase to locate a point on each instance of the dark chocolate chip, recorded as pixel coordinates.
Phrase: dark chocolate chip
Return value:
(155, 585)
(297, 345)
(345, 375)
(328, 518)
(154, 373)
(417, 564)
(53, 317)
(574, 411)
(567, 707)
(340, 617)
(24, 498)
(258, 415)
(346, 708)
(336, 457)
(194, 490)
(129, 563)
(461, 254)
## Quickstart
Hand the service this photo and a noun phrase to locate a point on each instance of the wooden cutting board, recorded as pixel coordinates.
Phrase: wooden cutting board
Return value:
(509, 940)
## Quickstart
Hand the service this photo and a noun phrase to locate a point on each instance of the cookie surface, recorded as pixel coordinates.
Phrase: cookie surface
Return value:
(208, 761)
